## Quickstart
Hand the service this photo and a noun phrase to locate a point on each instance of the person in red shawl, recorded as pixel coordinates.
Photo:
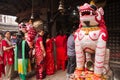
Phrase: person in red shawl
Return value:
(1, 58)
(39, 51)
(49, 59)
(8, 54)
(61, 50)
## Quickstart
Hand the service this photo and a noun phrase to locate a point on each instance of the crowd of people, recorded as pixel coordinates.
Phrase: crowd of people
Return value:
(16, 54)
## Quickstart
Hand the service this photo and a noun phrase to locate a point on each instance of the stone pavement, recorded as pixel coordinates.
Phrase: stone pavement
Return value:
(59, 75)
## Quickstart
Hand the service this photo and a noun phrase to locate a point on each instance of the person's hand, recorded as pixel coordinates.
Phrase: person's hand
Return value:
(44, 54)
(13, 46)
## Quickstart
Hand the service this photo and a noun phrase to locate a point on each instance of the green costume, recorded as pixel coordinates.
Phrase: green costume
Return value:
(21, 64)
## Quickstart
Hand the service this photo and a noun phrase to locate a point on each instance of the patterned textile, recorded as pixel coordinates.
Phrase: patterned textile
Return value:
(38, 51)
(1, 66)
(49, 59)
(8, 54)
(1, 61)
(40, 72)
(39, 59)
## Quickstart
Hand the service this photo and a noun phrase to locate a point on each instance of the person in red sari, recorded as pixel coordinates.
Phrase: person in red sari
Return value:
(40, 53)
(1, 58)
(8, 54)
(49, 59)
(61, 50)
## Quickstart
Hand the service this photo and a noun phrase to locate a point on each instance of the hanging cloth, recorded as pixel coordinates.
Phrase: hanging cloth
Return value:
(24, 61)
(16, 59)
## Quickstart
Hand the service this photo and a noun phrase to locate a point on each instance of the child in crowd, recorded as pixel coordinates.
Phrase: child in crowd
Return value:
(39, 51)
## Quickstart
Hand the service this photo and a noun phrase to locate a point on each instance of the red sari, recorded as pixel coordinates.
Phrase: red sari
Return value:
(61, 51)
(49, 59)
(8, 54)
(1, 61)
(39, 59)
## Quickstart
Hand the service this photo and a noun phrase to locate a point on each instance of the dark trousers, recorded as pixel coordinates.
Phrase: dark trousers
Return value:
(71, 64)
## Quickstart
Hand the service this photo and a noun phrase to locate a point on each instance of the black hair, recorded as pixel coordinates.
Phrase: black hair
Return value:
(20, 36)
(45, 37)
(1, 35)
(6, 32)
(60, 32)
(23, 24)
(48, 35)
(74, 28)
